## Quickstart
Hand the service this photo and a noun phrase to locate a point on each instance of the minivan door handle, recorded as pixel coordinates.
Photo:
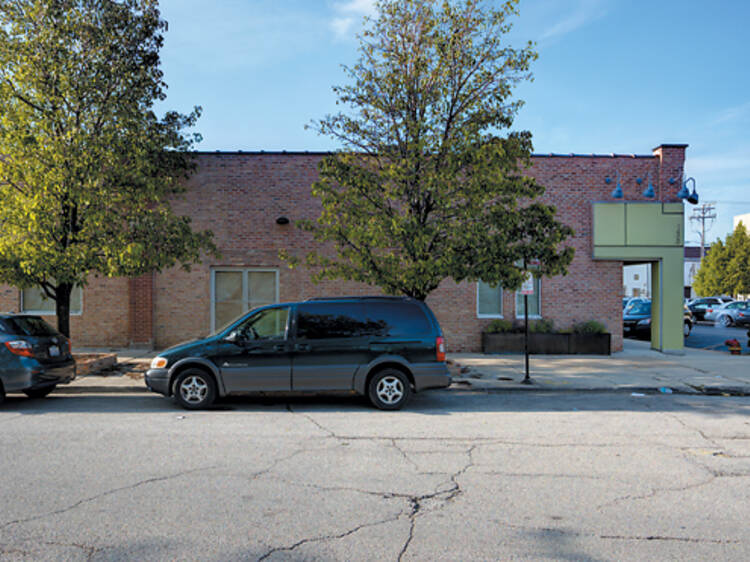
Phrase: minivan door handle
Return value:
(279, 347)
(302, 347)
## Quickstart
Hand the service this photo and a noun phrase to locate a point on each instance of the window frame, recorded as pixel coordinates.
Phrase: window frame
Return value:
(483, 315)
(53, 311)
(245, 287)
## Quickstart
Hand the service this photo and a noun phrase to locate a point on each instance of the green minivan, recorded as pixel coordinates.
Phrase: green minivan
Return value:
(382, 347)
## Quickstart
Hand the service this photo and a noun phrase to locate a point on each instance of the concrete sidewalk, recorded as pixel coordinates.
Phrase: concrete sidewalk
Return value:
(636, 369)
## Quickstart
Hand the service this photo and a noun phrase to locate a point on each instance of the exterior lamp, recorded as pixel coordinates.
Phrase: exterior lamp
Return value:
(649, 192)
(617, 191)
(282, 220)
(693, 197)
(684, 193)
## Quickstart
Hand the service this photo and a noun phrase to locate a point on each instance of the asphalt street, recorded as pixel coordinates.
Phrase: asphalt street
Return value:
(456, 476)
(707, 335)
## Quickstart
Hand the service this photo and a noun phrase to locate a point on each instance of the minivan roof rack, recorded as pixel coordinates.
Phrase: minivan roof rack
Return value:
(361, 297)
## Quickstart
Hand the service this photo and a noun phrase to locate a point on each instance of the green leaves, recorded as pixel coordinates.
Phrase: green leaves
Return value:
(425, 188)
(724, 270)
(87, 167)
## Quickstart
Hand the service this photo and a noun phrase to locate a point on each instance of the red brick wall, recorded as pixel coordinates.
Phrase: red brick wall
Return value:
(103, 321)
(239, 196)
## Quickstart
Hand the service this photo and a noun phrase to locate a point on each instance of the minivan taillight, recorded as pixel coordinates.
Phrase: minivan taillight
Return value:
(440, 348)
(20, 347)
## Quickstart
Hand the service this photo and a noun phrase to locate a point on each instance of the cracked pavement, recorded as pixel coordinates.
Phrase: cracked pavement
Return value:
(456, 475)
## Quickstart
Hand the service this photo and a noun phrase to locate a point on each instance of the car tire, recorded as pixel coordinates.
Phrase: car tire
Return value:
(194, 389)
(725, 320)
(2, 393)
(686, 327)
(389, 389)
(39, 392)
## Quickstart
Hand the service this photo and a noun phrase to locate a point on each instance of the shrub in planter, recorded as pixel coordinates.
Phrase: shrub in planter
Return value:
(499, 326)
(589, 327)
(589, 337)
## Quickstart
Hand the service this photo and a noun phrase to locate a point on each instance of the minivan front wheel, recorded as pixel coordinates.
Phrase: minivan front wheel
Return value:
(194, 389)
(389, 389)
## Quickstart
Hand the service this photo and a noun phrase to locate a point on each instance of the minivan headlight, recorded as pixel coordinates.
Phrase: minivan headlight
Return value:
(158, 362)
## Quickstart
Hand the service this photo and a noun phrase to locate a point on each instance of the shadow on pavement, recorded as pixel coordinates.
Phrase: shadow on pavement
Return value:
(430, 403)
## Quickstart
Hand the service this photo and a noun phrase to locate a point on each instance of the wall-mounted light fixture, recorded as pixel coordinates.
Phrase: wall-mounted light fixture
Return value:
(649, 192)
(617, 191)
(282, 220)
(693, 197)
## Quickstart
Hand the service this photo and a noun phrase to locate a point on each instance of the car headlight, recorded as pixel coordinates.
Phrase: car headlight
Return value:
(158, 362)
(644, 322)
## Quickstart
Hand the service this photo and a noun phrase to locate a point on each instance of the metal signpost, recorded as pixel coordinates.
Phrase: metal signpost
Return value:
(527, 288)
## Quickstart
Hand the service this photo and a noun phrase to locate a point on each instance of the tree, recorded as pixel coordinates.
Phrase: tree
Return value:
(425, 188)
(86, 166)
(725, 269)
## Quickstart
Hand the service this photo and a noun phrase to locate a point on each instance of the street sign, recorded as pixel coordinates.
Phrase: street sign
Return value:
(527, 288)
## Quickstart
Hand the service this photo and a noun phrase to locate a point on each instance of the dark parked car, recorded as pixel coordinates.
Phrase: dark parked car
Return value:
(698, 306)
(34, 357)
(636, 320)
(380, 347)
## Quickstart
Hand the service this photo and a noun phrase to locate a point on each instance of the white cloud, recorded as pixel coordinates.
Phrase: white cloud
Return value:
(570, 16)
(348, 15)
(732, 114)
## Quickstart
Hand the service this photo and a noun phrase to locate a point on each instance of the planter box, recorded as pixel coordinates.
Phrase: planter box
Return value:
(548, 344)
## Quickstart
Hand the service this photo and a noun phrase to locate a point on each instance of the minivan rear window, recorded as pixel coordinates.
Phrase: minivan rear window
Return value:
(355, 319)
(26, 326)
(317, 321)
(399, 318)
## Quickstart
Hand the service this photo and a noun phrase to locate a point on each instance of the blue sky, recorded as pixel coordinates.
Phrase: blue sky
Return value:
(613, 76)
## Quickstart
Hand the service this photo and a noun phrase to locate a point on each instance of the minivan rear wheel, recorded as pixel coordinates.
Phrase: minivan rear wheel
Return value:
(194, 389)
(389, 389)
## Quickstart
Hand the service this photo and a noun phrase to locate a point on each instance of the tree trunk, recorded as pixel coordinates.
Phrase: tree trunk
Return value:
(62, 308)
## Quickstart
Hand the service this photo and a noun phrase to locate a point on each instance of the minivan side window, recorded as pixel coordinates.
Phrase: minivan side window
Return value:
(269, 324)
(398, 319)
(316, 321)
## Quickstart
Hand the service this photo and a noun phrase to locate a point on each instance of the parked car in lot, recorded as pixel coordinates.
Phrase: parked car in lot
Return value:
(698, 306)
(636, 320)
(626, 301)
(727, 314)
(380, 347)
(34, 357)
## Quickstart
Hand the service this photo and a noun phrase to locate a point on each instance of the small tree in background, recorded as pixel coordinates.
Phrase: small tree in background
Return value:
(86, 167)
(725, 269)
(426, 188)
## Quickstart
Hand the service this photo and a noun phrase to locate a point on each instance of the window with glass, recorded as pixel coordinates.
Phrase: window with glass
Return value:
(535, 301)
(236, 291)
(35, 301)
(269, 324)
(489, 300)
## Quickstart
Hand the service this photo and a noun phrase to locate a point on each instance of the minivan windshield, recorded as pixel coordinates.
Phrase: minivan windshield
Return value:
(27, 326)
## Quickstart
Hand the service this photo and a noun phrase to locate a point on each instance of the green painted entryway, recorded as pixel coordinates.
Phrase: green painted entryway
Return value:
(648, 233)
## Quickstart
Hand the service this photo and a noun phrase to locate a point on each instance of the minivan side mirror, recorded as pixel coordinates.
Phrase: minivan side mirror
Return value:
(233, 337)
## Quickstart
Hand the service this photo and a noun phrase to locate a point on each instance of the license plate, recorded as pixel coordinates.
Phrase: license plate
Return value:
(54, 351)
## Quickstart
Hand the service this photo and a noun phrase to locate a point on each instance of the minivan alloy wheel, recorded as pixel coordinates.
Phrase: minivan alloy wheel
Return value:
(194, 389)
(389, 389)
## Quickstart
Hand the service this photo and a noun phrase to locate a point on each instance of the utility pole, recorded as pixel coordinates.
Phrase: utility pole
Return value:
(702, 214)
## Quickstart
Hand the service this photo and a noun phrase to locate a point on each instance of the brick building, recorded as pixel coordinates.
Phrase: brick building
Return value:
(240, 196)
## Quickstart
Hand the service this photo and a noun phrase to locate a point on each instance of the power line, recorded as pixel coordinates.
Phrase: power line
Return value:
(702, 214)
